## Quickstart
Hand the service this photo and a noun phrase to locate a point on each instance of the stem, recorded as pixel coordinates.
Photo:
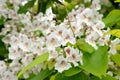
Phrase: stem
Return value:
(69, 21)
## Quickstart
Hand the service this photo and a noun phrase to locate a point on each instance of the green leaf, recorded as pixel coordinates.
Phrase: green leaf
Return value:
(117, 1)
(72, 71)
(42, 75)
(118, 47)
(36, 6)
(116, 59)
(96, 63)
(1, 36)
(38, 60)
(24, 9)
(112, 18)
(38, 33)
(79, 76)
(53, 77)
(9, 5)
(51, 64)
(1, 21)
(3, 50)
(115, 32)
(107, 77)
(81, 44)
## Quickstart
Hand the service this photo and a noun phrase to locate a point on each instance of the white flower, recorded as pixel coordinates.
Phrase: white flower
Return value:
(117, 77)
(37, 69)
(6, 39)
(96, 5)
(6, 29)
(52, 53)
(113, 46)
(91, 37)
(15, 66)
(26, 74)
(24, 2)
(25, 45)
(12, 14)
(87, 16)
(8, 75)
(87, 1)
(62, 64)
(68, 51)
(3, 67)
(14, 42)
(68, 37)
(14, 53)
(59, 31)
(73, 56)
(104, 40)
(62, 1)
(27, 59)
(97, 27)
(110, 73)
(37, 48)
(52, 41)
(49, 14)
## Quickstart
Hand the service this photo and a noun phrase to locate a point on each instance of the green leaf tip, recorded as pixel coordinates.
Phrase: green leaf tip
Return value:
(38, 60)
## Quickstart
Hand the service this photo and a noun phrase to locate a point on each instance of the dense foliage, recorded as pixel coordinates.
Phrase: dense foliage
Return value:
(59, 40)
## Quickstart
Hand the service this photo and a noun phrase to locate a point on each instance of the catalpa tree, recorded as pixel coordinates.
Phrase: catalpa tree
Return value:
(59, 40)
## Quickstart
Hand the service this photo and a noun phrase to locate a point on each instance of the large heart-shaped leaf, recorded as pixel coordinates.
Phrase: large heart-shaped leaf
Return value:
(96, 63)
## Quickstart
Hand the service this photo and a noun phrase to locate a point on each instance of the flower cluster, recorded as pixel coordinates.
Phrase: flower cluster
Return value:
(28, 36)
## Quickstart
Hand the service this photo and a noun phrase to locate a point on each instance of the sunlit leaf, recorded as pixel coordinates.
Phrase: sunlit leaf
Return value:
(118, 47)
(81, 44)
(72, 71)
(117, 0)
(38, 60)
(51, 64)
(36, 6)
(116, 59)
(79, 76)
(112, 18)
(96, 63)
(53, 77)
(42, 74)
(115, 32)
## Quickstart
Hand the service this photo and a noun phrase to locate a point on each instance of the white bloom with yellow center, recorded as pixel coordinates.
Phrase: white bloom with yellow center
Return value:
(62, 64)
